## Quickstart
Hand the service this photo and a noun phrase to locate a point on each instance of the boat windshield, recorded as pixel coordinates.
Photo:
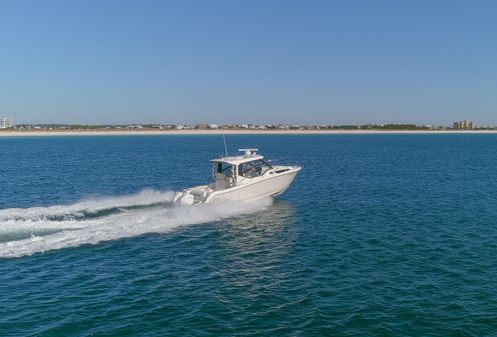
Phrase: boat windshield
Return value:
(253, 169)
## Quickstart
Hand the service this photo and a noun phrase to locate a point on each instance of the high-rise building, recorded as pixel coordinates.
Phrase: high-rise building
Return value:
(463, 125)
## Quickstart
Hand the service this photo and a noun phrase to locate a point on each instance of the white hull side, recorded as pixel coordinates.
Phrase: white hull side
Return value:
(268, 187)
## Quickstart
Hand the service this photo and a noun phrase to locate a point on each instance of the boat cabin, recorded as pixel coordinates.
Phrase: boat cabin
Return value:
(233, 171)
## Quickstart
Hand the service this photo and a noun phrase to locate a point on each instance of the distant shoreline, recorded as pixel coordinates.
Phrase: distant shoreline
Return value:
(17, 133)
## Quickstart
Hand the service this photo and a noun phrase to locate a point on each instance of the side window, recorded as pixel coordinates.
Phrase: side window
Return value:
(224, 168)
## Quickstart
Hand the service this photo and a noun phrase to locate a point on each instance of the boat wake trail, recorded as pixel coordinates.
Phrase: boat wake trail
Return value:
(25, 231)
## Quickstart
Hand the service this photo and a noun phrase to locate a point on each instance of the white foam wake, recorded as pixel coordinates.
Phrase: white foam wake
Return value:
(143, 198)
(34, 230)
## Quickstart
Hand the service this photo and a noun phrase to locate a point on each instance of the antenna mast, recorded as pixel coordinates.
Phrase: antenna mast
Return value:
(225, 148)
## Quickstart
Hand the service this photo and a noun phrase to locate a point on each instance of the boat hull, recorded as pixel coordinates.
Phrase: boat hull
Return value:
(269, 186)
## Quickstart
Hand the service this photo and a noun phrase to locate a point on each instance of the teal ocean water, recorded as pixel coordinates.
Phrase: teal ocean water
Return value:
(379, 235)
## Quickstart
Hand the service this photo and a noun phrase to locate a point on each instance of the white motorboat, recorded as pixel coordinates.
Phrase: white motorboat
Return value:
(244, 177)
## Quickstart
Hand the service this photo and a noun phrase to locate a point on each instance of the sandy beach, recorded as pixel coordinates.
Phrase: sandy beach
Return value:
(16, 133)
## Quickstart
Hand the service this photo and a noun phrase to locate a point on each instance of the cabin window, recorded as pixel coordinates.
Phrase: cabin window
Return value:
(225, 169)
(253, 169)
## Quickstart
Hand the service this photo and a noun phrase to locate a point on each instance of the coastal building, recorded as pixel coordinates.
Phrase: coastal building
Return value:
(6, 123)
(134, 126)
(463, 125)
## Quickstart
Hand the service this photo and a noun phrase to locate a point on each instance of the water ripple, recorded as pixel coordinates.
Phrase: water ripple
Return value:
(396, 238)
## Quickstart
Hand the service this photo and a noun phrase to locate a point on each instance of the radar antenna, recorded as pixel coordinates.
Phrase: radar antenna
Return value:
(248, 152)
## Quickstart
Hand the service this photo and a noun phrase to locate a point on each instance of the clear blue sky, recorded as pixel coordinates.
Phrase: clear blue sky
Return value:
(262, 61)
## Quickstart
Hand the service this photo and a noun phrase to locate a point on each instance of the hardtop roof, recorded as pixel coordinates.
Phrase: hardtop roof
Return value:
(237, 160)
